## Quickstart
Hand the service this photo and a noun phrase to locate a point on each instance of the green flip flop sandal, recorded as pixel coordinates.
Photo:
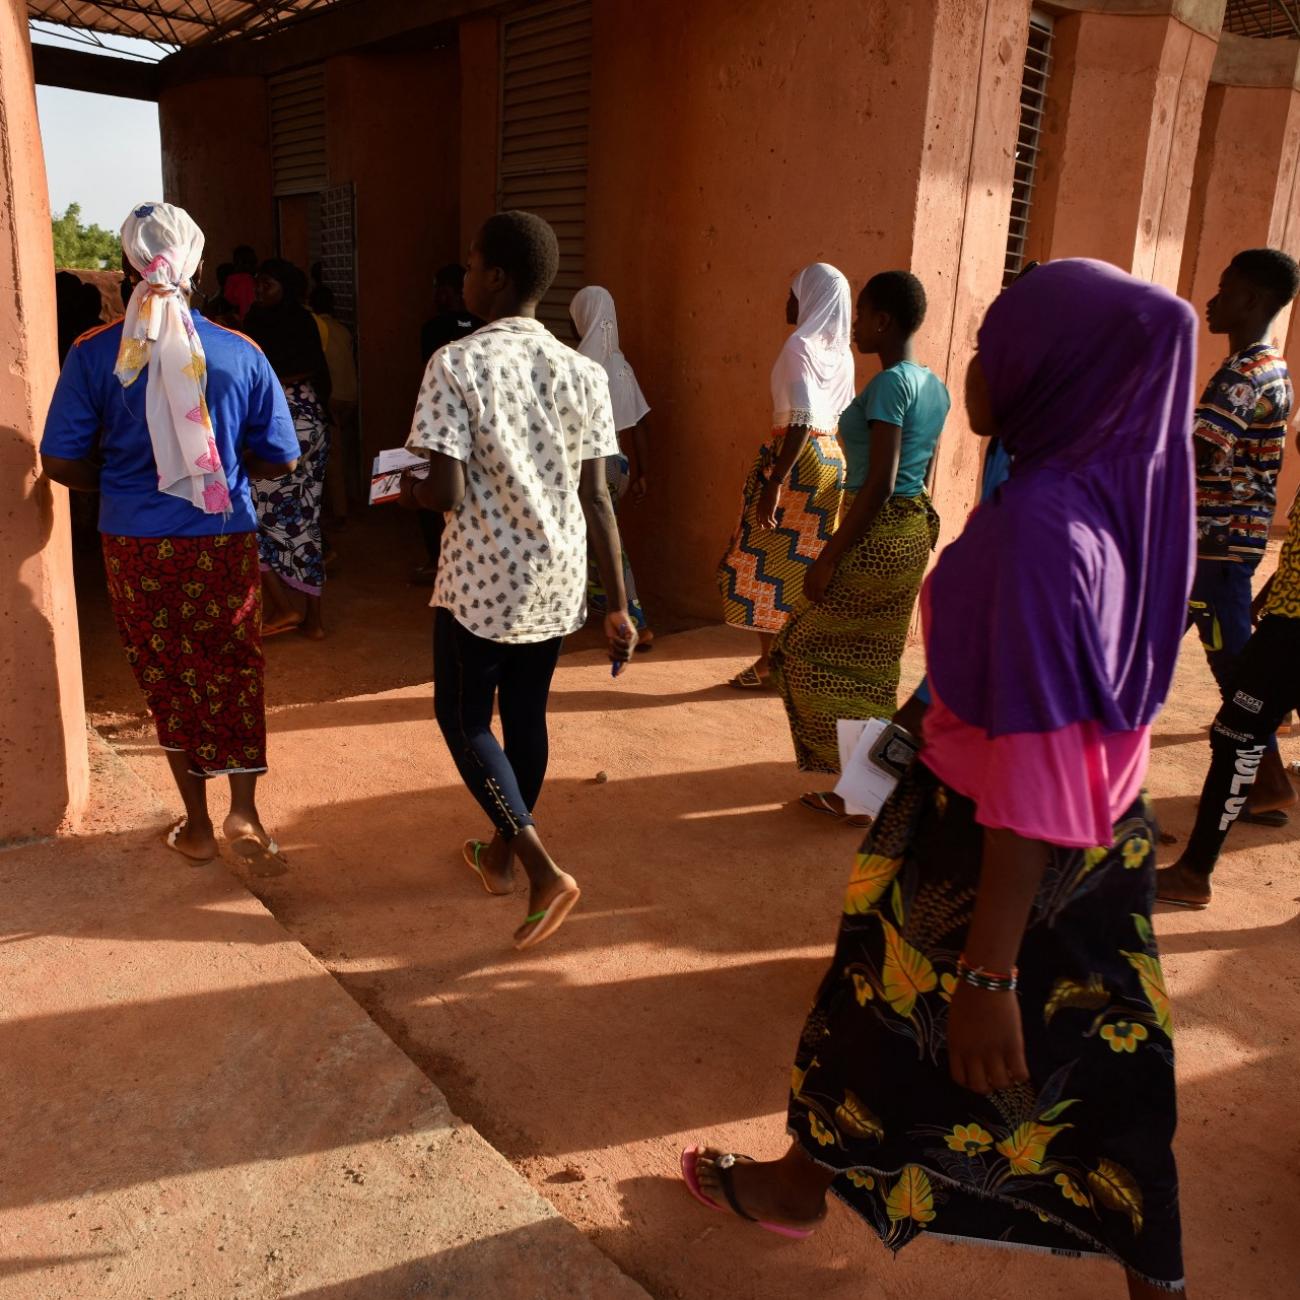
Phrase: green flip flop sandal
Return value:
(549, 919)
(472, 854)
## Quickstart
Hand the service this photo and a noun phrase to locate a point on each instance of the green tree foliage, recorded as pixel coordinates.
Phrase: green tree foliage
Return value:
(90, 247)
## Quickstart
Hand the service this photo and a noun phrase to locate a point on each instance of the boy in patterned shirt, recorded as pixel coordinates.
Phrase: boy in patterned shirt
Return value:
(516, 427)
(1266, 687)
(1239, 435)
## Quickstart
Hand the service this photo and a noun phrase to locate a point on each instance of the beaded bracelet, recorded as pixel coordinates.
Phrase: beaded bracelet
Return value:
(990, 981)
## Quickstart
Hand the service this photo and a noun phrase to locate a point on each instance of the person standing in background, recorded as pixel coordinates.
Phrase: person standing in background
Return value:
(783, 526)
(340, 357)
(77, 310)
(595, 321)
(1239, 435)
(450, 321)
(219, 308)
(240, 288)
(289, 508)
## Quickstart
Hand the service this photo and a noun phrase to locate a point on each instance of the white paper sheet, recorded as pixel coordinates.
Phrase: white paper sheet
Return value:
(848, 731)
(863, 786)
(396, 460)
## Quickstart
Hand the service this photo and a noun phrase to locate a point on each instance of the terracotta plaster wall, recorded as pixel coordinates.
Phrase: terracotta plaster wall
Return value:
(217, 163)
(394, 132)
(1241, 205)
(726, 154)
(1119, 149)
(480, 112)
(963, 211)
(44, 774)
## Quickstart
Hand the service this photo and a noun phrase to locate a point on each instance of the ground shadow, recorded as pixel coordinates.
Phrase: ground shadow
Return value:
(380, 629)
(115, 1085)
(540, 1261)
(1168, 740)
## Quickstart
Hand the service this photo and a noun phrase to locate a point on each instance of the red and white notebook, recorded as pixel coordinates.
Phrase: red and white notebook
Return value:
(386, 476)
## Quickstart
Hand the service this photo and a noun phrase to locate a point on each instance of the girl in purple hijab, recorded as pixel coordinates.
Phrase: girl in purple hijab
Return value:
(989, 1055)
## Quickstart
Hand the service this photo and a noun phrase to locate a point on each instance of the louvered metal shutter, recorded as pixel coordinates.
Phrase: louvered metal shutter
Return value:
(545, 107)
(298, 163)
(1033, 102)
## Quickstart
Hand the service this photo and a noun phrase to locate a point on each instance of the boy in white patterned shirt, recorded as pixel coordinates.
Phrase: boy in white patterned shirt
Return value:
(516, 427)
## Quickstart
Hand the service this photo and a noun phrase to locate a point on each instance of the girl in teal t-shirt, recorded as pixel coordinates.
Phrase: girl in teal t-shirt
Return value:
(914, 400)
(839, 656)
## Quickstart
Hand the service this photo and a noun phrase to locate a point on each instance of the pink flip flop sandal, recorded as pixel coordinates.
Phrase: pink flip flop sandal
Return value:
(725, 1163)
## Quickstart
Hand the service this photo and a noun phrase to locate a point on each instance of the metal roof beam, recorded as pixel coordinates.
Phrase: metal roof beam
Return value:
(1289, 9)
(235, 23)
(100, 74)
(153, 10)
(337, 29)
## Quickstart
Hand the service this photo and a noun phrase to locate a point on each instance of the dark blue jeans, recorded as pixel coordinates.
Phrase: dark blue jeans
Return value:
(470, 676)
(1219, 608)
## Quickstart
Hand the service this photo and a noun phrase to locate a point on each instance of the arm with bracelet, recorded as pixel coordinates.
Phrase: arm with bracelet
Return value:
(986, 1047)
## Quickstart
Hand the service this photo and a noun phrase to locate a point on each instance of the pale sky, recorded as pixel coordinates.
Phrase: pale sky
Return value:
(100, 151)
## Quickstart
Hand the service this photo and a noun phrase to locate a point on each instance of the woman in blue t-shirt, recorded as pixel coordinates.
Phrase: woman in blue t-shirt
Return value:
(839, 656)
(166, 415)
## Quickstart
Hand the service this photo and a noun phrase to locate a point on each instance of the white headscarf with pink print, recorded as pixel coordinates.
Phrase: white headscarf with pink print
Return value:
(165, 247)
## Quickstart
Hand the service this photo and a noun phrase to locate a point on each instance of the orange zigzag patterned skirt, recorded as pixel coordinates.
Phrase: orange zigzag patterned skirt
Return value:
(761, 575)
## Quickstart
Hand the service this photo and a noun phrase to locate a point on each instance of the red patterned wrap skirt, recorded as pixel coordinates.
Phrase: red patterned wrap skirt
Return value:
(189, 610)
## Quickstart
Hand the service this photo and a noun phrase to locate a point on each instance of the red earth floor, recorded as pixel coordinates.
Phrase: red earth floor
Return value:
(668, 1008)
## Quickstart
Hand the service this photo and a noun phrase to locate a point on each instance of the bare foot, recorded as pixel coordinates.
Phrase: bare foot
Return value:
(1182, 886)
(199, 845)
(312, 631)
(762, 1187)
(278, 626)
(548, 905)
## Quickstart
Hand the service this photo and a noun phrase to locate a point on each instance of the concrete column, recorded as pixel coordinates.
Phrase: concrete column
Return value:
(1243, 201)
(963, 212)
(1124, 111)
(407, 214)
(880, 139)
(44, 774)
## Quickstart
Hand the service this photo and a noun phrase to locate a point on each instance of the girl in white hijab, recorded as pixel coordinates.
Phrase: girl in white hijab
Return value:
(785, 524)
(596, 323)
